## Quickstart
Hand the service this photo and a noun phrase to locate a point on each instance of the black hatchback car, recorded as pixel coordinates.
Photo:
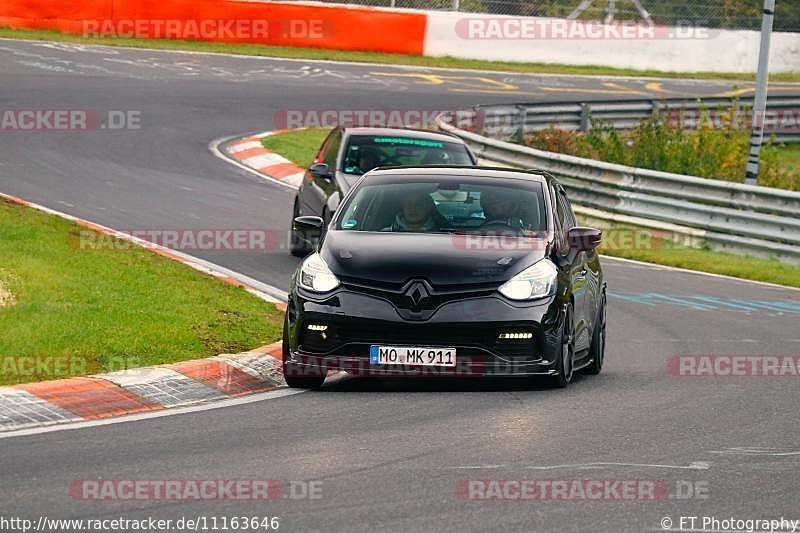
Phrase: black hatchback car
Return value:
(448, 271)
(348, 152)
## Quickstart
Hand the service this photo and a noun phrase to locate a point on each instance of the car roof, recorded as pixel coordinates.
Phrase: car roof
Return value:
(464, 171)
(405, 132)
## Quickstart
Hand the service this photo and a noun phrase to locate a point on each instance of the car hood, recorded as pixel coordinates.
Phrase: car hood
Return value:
(442, 259)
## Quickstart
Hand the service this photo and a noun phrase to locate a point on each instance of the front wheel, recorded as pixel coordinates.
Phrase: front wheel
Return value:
(566, 357)
(292, 375)
(597, 351)
(303, 382)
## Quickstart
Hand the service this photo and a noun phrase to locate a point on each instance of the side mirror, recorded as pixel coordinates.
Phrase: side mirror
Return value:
(320, 170)
(584, 239)
(308, 223)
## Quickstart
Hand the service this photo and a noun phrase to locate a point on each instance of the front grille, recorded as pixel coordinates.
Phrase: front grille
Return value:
(354, 336)
(401, 295)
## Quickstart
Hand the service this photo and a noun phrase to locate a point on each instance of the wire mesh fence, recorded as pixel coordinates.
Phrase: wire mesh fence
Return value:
(728, 14)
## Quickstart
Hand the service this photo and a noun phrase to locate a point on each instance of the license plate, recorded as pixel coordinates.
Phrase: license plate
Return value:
(412, 355)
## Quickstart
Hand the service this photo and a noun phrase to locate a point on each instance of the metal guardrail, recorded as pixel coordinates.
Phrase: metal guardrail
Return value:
(744, 219)
(512, 121)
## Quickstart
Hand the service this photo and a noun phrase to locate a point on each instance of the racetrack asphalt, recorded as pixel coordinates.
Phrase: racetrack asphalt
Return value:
(390, 453)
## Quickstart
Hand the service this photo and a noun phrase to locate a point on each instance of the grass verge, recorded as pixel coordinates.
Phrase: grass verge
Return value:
(89, 311)
(788, 156)
(300, 146)
(296, 146)
(375, 57)
(667, 253)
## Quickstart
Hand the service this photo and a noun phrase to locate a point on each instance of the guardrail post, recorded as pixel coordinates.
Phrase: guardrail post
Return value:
(586, 117)
(656, 109)
(519, 126)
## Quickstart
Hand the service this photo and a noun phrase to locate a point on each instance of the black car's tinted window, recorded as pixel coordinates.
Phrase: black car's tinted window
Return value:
(435, 206)
(332, 150)
(365, 152)
(564, 211)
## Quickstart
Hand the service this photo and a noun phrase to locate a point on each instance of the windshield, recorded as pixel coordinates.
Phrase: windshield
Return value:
(437, 206)
(365, 152)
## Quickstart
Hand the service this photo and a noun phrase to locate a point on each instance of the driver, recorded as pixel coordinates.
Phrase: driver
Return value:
(368, 158)
(418, 214)
(501, 208)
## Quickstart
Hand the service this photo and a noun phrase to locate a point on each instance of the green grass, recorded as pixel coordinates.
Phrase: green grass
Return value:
(703, 260)
(709, 151)
(297, 146)
(788, 156)
(300, 146)
(111, 309)
(374, 57)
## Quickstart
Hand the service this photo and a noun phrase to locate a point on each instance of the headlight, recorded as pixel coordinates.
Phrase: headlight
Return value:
(315, 275)
(537, 281)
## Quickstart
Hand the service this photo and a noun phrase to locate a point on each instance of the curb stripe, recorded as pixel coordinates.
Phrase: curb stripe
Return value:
(264, 159)
(282, 170)
(89, 398)
(20, 409)
(244, 146)
(141, 390)
(225, 378)
(164, 386)
(248, 151)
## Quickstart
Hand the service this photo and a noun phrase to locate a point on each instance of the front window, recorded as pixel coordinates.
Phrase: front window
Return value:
(446, 205)
(365, 152)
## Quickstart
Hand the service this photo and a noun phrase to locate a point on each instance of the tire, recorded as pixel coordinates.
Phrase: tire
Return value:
(597, 351)
(297, 245)
(304, 382)
(566, 360)
(296, 382)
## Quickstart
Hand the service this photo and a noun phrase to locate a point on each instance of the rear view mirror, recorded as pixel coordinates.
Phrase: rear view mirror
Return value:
(308, 223)
(584, 239)
(320, 170)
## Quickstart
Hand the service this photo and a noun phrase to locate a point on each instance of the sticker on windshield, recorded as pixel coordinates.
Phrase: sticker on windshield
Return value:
(407, 141)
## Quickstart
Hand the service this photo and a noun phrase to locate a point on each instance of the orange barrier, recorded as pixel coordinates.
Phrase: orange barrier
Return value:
(302, 25)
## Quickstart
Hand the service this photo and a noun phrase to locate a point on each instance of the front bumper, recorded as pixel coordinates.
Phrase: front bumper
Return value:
(345, 324)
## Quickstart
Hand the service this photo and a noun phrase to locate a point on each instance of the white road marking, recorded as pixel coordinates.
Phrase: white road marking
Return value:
(416, 68)
(655, 266)
(697, 465)
(757, 451)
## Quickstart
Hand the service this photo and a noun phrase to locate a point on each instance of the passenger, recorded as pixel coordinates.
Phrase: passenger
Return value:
(368, 158)
(501, 208)
(419, 214)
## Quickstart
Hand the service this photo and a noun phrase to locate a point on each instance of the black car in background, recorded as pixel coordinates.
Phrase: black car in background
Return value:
(448, 271)
(348, 152)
